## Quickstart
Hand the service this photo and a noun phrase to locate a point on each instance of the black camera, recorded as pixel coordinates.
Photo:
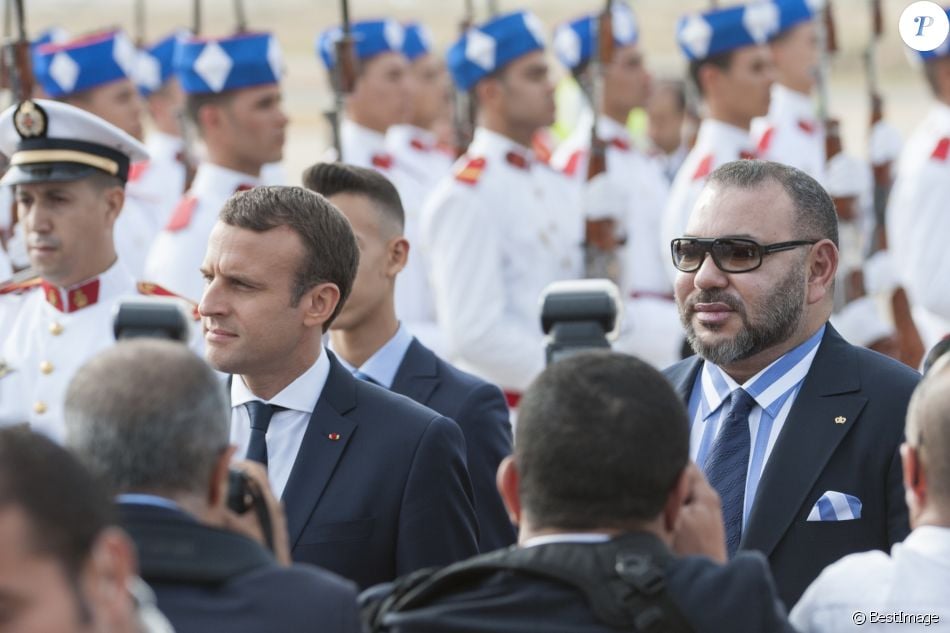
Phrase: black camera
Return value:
(579, 315)
(245, 495)
(154, 317)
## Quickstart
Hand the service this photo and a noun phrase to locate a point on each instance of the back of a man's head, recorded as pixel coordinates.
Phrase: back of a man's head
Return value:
(928, 431)
(333, 179)
(602, 440)
(148, 416)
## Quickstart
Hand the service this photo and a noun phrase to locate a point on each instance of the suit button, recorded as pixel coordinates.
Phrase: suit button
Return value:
(39, 407)
(55, 328)
(46, 367)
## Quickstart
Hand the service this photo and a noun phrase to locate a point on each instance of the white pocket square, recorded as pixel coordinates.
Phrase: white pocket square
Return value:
(835, 506)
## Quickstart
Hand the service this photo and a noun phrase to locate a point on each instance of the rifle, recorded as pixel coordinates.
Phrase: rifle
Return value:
(188, 158)
(828, 46)
(882, 171)
(139, 24)
(601, 241)
(463, 102)
(240, 17)
(343, 77)
(17, 62)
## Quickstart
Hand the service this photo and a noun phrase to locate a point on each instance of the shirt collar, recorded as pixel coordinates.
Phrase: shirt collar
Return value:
(494, 145)
(384, 363)
(791, 103)
(404, 134)
(567, 537)
(211, 178)
(370, 140)
(766, 387)
(718, 134)
(300, 395)
(931, 541)
(161, 145)
(608, 130)
(143, 499)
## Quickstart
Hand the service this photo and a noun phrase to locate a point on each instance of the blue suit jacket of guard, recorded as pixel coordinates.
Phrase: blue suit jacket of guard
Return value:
(814, 454)
(479, 408)
(379, 487)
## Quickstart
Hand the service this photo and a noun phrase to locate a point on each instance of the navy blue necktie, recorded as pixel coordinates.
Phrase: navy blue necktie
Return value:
(728, 463)
(260, 414)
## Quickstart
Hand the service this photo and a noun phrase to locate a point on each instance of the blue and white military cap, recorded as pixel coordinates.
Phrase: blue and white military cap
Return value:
(81, 64)
(702, 35)
(941, 51)
(794, 12)
(155, 63)
(370, 38)
(212, 65)
(51, 141)
(52, 35)
(484, 49)
(418, 40)
(574, 42)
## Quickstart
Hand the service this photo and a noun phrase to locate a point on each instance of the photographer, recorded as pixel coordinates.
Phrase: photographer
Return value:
(151, 419)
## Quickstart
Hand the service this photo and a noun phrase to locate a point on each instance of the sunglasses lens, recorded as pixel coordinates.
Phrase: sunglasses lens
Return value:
(688, 254)
(736, 255)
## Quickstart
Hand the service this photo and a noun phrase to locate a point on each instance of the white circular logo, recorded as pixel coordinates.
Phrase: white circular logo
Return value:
(924, 26)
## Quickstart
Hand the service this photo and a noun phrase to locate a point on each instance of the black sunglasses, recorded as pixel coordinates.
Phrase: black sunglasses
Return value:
(731, 255)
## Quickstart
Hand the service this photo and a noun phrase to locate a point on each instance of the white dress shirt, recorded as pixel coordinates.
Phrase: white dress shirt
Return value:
(790, 133)
(285, 433)
(918, 223)
(496, 235)
(912, 582)
(384, 363)
(177, 254)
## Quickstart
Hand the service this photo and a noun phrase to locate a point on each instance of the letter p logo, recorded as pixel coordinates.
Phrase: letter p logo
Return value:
(924, 26)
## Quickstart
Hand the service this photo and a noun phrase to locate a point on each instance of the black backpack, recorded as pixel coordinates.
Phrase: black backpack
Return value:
(623, 581)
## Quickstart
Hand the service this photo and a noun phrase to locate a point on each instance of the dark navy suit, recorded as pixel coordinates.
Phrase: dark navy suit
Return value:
(479, 408)
(266, 598)
(379, 487)
(868, 394)
(739, 597)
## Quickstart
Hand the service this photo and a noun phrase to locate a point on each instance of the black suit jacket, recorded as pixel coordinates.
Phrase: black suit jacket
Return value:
(379, 487)
(814, 454)
(739, 597)
(268, 598)
(479, 408)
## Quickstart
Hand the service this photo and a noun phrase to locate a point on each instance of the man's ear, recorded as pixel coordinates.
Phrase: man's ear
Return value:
(398, 255)
(218, 486)
(822, 266)
(112, 566)
(678, 496)
(114, 198)
(508, 482)
(319, 303)
(709, 77)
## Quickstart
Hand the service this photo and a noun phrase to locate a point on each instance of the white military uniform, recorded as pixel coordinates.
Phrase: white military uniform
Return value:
(790, 133)
(496, 234)
(54, 333)
(717, 143)
(161, 181)
(652, 329)
(918, 223)
(135, 229)
(177, 254)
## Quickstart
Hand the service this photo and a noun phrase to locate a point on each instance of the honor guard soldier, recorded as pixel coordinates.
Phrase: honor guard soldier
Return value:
(917, 218)
(95, 73)
(655, 333)
(791, 132)
(162, 179)
(233, 96)
(69, 170)
(505, 225)
(383, 98)
(731, 67)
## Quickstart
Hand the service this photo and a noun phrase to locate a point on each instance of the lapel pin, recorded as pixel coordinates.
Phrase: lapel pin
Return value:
(840, 419)
(334, 436)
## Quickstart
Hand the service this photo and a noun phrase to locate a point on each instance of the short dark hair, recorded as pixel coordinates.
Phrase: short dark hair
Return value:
(147, 415)
(195, 101)
(332, 255)
(814, 209)
(723, 61)
(602, 439)
(65, 506)
(330, 179)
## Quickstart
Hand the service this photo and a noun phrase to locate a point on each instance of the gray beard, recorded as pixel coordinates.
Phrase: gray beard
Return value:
(780, 315)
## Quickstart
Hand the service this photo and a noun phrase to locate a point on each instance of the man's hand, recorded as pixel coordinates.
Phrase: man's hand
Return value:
(249, 525)
(699, 528)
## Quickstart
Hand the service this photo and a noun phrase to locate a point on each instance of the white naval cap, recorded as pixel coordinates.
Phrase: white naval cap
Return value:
(49, 141)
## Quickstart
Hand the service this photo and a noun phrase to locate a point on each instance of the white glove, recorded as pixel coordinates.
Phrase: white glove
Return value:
(603, 200)
(885, 143)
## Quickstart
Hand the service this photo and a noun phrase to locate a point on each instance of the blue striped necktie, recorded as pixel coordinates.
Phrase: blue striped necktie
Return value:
(728, 463)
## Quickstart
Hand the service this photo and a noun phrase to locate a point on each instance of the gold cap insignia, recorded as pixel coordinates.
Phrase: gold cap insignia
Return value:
(30, 120)
(840, 419)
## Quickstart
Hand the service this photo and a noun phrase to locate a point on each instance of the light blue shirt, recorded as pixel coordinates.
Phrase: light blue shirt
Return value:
(148, 500)
(383, 365)
(774, 390)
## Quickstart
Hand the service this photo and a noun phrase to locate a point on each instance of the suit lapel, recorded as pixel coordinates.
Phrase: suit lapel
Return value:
(324, 442)
(831, 391)
(682, 376)
(418, 373)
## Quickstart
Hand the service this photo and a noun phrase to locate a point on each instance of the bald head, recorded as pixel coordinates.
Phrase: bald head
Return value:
(928, 430)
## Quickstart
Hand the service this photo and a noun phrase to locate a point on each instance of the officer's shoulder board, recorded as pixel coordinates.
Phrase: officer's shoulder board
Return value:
(704, 167)
(181, 216)
(20, 286)
(470, 170)
(941, 150)
(150, 289)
